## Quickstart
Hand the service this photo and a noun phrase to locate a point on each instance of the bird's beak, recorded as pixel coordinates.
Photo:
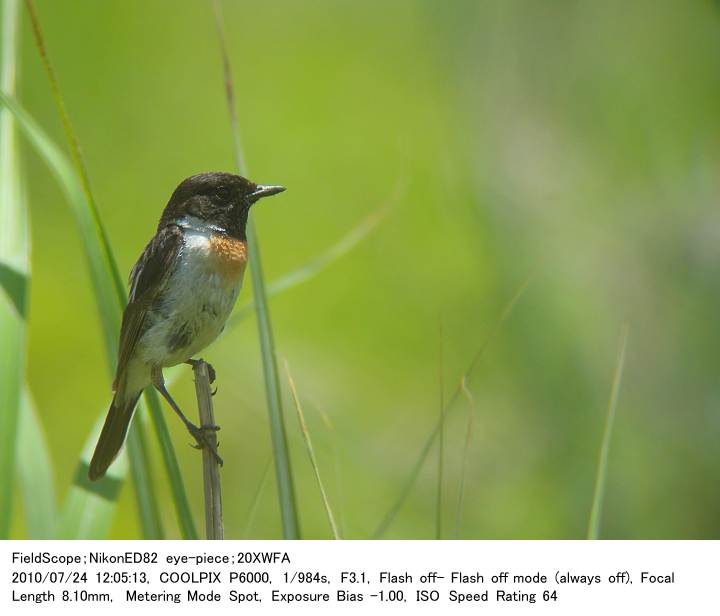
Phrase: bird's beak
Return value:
(265, 191)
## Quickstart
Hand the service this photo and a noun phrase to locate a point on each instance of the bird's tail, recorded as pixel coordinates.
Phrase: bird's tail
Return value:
(113, 433)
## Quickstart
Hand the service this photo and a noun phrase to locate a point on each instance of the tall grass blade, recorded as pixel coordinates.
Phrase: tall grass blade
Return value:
(466, 451)
(387, 520)
(89, 505)
(145, 492)
(14, 271)
(339, 497)
(601, 476)
(311, 453)
(186, 523)
(255, 504)
(35, 473)
(283, 470)
(441, 442)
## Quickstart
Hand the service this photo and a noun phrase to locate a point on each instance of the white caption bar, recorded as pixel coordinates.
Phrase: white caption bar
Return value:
(351, 577)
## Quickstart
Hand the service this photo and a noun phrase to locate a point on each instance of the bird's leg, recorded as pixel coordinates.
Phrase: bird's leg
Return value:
(197, 432)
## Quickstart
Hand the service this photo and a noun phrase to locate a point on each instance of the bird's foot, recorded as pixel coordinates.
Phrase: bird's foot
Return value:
(211, 371)
(202, 434)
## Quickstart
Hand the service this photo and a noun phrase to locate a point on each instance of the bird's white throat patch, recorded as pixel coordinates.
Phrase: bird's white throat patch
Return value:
(193, 223)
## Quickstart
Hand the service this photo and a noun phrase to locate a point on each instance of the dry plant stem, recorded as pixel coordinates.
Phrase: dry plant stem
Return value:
(211, 468)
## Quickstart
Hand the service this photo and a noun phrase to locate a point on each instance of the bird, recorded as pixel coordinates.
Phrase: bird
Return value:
(181, 292)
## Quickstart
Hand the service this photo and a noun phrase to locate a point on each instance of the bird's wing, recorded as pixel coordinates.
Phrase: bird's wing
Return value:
(147, 281)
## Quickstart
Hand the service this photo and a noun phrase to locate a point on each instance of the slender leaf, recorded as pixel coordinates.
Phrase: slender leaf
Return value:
(336, 463)
(427, 446)
(89, 505)
(441, 443)
(177, 486)
(601, 477)
(465, 455)
(283, 470)
(311, 453)
(35, 473)
(14, 272)
(254, 505)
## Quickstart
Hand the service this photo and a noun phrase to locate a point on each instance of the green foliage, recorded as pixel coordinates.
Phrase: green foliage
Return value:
(35, 474)
(14, 271)
(101, 265)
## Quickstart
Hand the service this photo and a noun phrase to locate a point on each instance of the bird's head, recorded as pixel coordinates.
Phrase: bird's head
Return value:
(217, 200)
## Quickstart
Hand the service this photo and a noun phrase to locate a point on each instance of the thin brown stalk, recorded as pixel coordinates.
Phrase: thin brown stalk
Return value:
(211, 467)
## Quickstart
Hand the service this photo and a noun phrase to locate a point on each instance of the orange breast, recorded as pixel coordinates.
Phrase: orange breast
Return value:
(229, 256)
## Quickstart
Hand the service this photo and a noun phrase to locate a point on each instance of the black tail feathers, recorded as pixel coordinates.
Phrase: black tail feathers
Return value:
(113, 434)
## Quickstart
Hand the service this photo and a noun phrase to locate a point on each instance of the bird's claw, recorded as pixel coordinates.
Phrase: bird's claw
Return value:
(200, 434)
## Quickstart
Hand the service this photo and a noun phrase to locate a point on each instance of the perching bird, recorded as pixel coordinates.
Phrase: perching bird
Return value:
(182, 290)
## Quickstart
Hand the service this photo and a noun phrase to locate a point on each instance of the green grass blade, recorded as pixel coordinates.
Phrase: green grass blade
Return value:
(255, 504)
(337, 466)
(89, 505)
(185, 519)
(283, 470)
(311, 453)
(601, 476)
(35, 474)
(388, 518)
(465, 456)
(14, 272)
(144, 490)
(441, 446)
(60, 167)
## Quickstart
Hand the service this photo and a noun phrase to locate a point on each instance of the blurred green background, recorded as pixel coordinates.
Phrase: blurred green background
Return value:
(574, 143)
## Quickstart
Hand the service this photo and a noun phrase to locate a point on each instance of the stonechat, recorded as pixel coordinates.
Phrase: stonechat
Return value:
(182, 290)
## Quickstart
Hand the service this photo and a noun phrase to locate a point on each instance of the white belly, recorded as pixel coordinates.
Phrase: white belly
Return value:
(194, 309)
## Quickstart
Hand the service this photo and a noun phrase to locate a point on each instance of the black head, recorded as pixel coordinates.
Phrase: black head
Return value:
(222, 200)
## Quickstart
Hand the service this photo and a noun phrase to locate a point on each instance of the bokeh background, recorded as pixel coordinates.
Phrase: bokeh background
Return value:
(571, 143)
